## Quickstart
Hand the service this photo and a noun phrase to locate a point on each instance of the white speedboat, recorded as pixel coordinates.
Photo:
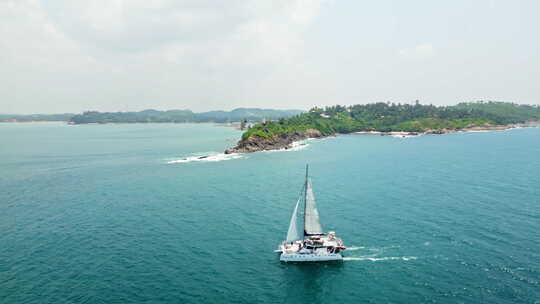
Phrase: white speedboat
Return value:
(313, 245)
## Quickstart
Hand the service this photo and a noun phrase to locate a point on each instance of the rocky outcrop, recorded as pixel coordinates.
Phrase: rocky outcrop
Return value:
(277, 142)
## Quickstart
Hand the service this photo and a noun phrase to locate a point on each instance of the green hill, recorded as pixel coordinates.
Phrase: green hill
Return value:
(176, 116)
(386, 117)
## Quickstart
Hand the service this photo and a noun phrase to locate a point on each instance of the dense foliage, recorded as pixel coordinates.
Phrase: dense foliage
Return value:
(237, 115)
(386, 117)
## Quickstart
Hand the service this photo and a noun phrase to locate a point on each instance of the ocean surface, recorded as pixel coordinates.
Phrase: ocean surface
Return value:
(129, 214)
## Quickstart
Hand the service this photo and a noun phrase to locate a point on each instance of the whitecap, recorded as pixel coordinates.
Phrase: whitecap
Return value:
(295, 146)
(298, 145)
(216, 157)
(403, 136)
(479, 131)
(520, 127)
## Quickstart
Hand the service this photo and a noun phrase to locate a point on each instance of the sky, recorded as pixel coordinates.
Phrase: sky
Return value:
(61, 56)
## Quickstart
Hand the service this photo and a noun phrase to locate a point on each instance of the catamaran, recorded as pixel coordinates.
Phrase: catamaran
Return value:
(313, 245)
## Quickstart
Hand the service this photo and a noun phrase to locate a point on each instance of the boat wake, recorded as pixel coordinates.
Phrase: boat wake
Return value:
(355, 248)
(375, 259)
(206, 157)
(375, 255)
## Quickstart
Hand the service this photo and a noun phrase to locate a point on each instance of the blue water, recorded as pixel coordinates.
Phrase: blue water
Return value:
(103, 214)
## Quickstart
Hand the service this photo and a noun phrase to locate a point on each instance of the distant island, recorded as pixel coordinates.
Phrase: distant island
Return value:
(154, 116)
(183, 116)
(384, 118)
(35, 117)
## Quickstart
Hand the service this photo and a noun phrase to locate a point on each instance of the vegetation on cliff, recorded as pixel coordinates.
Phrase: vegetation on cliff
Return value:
(389, 117)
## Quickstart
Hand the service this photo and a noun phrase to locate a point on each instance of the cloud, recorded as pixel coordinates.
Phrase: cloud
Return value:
(255, 30)
(159, 50)
(425, 49)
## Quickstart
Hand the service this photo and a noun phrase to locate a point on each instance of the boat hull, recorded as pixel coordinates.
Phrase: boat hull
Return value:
(297, 257)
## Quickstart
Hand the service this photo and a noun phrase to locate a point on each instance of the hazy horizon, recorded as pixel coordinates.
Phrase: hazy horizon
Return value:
(108, 56)
(196, 112)
(259, 108)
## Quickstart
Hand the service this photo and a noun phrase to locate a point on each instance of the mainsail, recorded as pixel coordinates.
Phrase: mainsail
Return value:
(292, 234)
(312, 225)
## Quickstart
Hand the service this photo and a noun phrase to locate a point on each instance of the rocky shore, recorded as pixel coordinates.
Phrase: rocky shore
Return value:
(285, 141)
(277, 142)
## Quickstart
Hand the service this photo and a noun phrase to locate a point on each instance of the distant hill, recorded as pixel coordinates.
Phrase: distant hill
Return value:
(175, 116)
(178, 116)
(36, 117)
(250, 114)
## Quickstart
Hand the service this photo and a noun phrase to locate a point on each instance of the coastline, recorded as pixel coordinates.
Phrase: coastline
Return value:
(288, 141)
(442, 131)
(31, 121)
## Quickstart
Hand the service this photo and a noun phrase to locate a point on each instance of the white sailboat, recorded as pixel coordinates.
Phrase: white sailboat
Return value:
(313, 245)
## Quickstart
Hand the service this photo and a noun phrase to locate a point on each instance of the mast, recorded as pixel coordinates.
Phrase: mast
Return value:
(305, 198)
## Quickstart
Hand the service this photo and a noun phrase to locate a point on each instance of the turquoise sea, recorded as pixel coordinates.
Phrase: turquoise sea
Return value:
(107, 214)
